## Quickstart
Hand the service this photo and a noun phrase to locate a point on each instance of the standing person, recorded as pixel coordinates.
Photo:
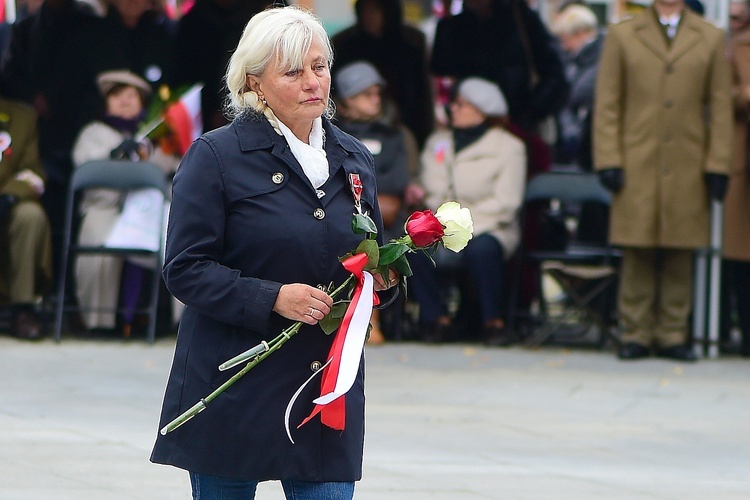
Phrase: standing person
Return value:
(137, 35)
(662, 145)
(737, 206)
(134, 35)
(578, 30)
(25, 240)
(399, 52)
(480, 164)
(504, 41)
(261, 211)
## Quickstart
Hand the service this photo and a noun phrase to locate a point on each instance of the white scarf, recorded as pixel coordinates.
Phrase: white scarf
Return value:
(311, 156)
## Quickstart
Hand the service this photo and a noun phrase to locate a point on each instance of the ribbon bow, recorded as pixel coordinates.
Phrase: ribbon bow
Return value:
(340, 370)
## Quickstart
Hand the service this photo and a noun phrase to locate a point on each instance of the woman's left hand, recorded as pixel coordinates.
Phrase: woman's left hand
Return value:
(380, 284)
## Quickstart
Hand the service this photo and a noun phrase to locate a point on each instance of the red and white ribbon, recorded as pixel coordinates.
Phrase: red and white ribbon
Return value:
(340, 370)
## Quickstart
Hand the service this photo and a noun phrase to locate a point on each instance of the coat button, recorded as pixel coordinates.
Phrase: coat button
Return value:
(667, 137)
(668, 103)
(315, 366)
(319, 213)
(670, 69)
(277, 178)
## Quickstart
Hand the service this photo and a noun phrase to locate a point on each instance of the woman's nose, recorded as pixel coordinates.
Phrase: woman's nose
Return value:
(311, 81)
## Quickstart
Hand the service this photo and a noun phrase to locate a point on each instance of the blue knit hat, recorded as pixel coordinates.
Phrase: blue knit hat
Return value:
(356, 77)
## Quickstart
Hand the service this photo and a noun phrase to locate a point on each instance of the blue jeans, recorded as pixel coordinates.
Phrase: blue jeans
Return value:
(207, 487)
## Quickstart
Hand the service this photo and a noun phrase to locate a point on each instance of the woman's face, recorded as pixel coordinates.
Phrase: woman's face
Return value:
(366, 105)
(297, 96)
(464, 114)
(124, 103)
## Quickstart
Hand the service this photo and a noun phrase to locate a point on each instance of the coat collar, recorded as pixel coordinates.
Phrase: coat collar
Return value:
(255, 132)
(651, 34)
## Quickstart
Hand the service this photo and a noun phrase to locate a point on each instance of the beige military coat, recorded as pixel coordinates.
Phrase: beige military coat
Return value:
(663, 113)
(737, 202)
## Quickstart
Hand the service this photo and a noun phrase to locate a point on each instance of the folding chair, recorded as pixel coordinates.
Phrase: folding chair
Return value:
(585, 271)
(122, 176)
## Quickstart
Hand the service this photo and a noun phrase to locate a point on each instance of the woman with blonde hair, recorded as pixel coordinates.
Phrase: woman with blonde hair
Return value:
(261, 211)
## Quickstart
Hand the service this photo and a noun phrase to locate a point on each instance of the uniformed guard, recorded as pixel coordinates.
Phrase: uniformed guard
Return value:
(662, 145)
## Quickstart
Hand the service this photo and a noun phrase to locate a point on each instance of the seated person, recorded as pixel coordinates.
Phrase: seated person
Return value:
(98, 276)
(25, 239)
(482, 166)
(360, 111)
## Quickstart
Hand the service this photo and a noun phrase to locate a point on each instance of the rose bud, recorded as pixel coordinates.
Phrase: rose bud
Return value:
(424, 229)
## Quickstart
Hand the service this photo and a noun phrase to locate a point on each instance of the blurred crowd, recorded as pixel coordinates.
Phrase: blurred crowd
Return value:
(469, 110)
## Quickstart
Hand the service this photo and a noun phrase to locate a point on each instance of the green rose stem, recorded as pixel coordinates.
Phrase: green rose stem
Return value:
(256, 355)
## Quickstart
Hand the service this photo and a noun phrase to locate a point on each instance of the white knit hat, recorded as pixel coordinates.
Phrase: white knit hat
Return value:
(483, 95)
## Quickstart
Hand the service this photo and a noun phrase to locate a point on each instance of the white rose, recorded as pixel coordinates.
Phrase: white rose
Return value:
(459, 227)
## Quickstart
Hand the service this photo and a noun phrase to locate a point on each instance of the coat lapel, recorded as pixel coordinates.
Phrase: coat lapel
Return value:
(651, 34)
(688, 35)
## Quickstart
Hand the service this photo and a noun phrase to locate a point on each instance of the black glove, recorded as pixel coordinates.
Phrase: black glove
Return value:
(612, 178)
(717, 185)
(6, 205)
(127, 150)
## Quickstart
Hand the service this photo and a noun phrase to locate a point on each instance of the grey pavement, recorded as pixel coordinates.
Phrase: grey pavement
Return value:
(77, 421)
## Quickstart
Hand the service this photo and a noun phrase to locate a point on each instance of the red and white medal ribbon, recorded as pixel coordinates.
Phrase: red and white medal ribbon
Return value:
(340, 370)
(355, 183)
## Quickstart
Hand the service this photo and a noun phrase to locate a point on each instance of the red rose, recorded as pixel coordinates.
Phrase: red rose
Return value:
(424, 229)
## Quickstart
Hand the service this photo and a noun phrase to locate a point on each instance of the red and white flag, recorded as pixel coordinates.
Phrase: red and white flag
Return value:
(185, 119)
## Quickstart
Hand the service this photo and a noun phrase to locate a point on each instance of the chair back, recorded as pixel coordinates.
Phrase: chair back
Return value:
(121, 175)
(568, 187)
(550, 248)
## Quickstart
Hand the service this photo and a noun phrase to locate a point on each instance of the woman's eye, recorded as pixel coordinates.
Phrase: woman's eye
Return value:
(293, 72)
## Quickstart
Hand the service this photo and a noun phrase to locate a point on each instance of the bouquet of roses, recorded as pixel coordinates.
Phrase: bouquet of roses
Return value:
(451, 226)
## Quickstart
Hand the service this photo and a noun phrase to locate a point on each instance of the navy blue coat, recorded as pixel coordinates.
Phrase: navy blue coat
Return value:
(243, 223)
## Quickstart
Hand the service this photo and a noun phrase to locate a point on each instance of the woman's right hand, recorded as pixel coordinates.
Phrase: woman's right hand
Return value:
(305, 303)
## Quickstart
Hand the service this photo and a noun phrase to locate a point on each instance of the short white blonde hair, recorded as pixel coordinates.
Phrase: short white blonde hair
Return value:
(282, 35)
(575, 19)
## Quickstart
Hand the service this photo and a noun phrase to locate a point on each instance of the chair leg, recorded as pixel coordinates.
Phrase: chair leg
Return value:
(60, 301)
(153, 305)
(581, 302)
